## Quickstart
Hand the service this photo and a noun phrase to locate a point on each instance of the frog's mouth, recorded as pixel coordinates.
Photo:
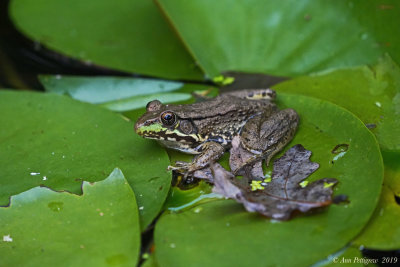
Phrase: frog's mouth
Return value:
(149, 131)
(189, 148)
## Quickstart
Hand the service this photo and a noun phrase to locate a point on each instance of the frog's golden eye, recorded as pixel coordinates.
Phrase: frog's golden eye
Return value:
(168, 118)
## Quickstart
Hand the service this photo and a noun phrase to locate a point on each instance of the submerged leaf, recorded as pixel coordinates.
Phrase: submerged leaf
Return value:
(285, 193)
(121, 93)
(105, 89)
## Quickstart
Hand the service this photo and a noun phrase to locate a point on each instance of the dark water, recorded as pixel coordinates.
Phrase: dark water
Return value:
(21, 59)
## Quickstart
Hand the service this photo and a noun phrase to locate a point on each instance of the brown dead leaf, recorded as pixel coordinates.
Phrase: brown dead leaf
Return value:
(283, 194)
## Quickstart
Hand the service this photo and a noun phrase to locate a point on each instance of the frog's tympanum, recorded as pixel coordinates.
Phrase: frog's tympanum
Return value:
(207, 128)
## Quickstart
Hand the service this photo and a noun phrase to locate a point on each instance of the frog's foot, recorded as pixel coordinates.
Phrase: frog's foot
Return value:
(210, 152)
(180, 166)
(248, 163)
(243, 162)
(185, 168)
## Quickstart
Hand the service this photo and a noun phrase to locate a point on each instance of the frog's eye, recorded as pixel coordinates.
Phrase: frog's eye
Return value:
(168, 118)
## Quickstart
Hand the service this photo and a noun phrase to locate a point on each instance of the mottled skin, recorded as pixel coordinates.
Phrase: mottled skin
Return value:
(207, 128)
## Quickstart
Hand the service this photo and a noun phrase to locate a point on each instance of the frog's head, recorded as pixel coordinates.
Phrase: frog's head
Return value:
(163, 123)
(154, 121)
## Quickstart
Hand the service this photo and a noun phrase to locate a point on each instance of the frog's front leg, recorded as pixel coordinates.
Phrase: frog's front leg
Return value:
(265, 137)
(209, 152)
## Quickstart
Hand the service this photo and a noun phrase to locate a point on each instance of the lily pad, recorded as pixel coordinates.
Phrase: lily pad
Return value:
(200, 235)
(370, 92)
(284, 38)
(130, 36)
(58, 142)
(383, 230)
(120, 93)
(46, 228)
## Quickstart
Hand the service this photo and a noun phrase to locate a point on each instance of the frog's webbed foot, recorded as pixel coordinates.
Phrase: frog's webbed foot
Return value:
(264, 137)
(210, 152)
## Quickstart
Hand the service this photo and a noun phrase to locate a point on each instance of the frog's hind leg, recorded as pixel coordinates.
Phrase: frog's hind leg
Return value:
(265, 137)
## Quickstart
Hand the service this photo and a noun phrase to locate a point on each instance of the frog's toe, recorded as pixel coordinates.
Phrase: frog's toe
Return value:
(171, 168)
(180, 166)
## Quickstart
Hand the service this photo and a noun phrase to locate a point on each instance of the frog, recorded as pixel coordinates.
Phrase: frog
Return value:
(206, 128)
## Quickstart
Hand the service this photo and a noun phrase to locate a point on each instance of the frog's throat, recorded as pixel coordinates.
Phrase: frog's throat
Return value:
(156, 131)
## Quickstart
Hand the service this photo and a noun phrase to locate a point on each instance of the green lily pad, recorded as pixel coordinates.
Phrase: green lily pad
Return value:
(284, 38)
(131, 36)
(58, 142)
(199, 236)
(371, 93)
(383, 230)
(46, 228)
(120, 93)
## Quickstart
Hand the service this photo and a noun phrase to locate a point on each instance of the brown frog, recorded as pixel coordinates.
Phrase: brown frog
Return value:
(207, 128)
